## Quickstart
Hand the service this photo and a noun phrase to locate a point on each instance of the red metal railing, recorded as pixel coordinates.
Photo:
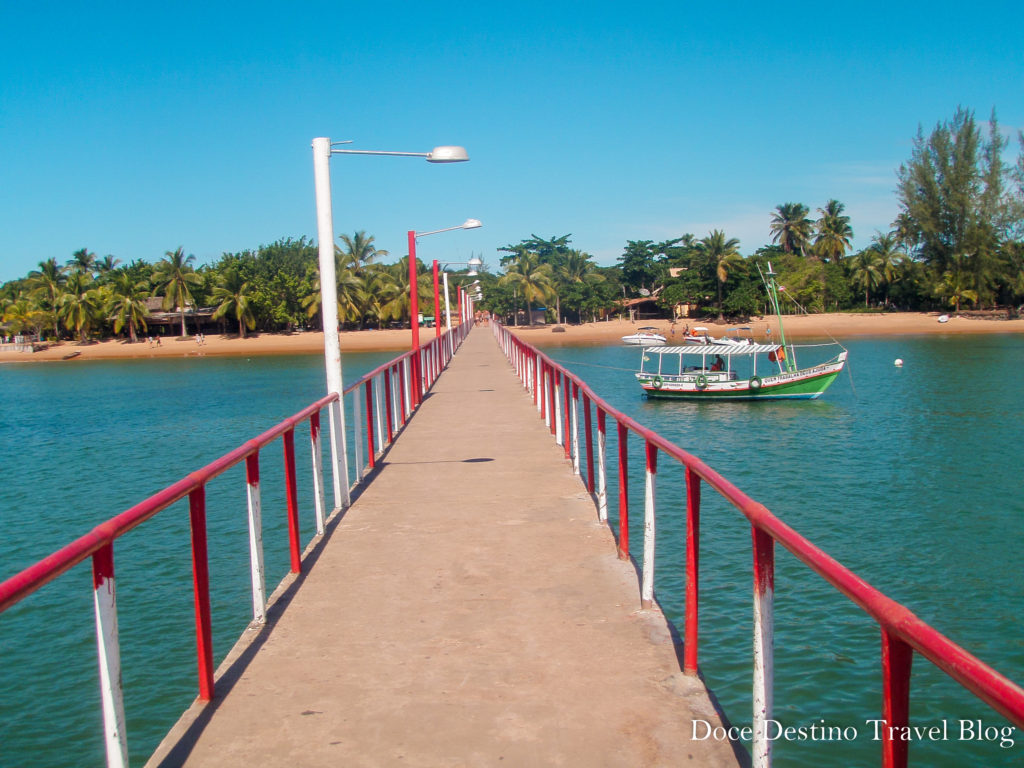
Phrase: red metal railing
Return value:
(394, 383)
(557, 391)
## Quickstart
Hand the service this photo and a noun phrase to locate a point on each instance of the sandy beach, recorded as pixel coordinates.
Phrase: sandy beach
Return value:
(838, 326)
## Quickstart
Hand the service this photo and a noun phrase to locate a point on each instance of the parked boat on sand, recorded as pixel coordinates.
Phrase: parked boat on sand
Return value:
(645, 337)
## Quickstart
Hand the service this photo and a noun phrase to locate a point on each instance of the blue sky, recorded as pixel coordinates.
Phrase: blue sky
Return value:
(132, 129)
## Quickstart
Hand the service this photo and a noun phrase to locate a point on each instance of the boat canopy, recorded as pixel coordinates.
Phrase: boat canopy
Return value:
(726, 350)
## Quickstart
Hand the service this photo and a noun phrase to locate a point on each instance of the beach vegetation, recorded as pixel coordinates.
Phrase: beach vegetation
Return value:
(174, 279)
(956, 242)
(126, 302)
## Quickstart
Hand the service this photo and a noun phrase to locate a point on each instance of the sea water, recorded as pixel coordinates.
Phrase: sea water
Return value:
(909, 476)
(906, 475)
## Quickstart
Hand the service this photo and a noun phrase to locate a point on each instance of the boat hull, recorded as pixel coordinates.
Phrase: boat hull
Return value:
(807, 384)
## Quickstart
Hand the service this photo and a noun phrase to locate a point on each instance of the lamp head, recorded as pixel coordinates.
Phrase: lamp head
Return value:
(448, 155)
(474, 264)
(471, 224)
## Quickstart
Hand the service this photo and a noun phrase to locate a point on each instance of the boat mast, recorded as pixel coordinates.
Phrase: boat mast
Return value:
(774, 296)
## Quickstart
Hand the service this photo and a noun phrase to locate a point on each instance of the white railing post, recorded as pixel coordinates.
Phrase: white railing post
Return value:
(339, 454)
(559, 436)
(357, 433)
(764, 642)
(318, 473)
(109, 652)
(602, 477)
(647, 584)
(256, 569)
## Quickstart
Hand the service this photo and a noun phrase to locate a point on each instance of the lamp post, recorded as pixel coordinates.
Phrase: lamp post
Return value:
(322, 151)
(473, 264)
(414, 301)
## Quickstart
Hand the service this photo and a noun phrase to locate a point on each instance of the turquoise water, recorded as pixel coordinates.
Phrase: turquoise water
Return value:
(85, 441)
(908, 476)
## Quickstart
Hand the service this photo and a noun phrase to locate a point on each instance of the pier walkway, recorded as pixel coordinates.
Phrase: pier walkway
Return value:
(467, 610)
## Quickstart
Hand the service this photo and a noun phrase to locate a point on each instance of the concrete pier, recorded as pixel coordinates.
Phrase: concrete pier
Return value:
(467, 610)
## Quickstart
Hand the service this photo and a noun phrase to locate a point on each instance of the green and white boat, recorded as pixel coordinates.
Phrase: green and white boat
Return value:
(740, 370)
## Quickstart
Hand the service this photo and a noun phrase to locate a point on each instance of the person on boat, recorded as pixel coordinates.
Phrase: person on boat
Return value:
(719, 363)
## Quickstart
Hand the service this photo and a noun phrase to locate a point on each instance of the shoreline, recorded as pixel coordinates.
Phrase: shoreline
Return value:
(798, 327)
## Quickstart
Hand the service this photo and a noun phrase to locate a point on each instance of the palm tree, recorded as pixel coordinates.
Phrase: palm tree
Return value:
(396, 305)
(866, 272)
(22, 313)
(953, 288)
(530, 278)
(348, 287)
(358, 252)
(791, 228)
(834, 232)
(127, 303)
(106, 265)
(887, 249)
(172, 277)
(83, 260)
(233, 292)
(48, 283)
(724, 256)
(81, 307)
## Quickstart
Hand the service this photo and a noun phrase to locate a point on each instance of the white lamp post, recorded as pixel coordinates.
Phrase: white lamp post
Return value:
(322, 151)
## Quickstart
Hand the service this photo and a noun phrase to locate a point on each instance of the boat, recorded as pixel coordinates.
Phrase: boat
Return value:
(645, 337)
(699, 335)
(739, 370)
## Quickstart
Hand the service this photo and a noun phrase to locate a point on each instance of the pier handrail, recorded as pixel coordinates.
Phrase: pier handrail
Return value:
(556, 392)
(394, 382)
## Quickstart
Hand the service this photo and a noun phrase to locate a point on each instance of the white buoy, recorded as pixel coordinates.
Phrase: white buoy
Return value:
(898, 362)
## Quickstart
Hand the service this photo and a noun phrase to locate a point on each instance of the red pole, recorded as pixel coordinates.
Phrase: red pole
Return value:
(623, 493)
(566, 403)
(897, 658)
(401, 391)
(437, 304)
(414, 319)
(370, 448)
(292, 496)
(692, 571)
(387, 403)
(201, 581)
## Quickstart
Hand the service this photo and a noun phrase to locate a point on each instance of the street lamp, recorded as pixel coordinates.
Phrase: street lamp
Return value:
(322, 151)
(474, 263)
(414, 301)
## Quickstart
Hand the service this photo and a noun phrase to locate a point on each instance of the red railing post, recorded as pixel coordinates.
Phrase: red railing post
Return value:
(292, 495)
(387, 404)
(370, 446)
(692, 572)
(401, 391)
(623, 493)
(897, 658)
(552, 409)
(602, 466)
(566, 401)
(201, 582)
(589, 442)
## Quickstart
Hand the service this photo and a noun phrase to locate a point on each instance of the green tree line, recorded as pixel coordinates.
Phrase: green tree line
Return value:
(957, 241)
